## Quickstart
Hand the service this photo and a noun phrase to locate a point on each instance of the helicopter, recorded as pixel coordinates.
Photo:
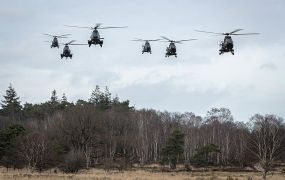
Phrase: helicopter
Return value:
(95, 36)
(66, 51)
(171, 49)
(146, 48)
(228, 45)
(54, 42)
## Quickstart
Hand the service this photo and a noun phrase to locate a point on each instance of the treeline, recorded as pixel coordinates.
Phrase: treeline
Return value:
(106, 132)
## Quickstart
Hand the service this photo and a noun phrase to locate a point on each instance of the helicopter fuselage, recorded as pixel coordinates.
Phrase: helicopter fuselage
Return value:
(227, 45)
(66, 52)
(146, 48)
(95, 38)
(171, 50)
(54, 43)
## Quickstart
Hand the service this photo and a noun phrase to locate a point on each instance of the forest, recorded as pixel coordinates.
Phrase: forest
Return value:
(106, 132)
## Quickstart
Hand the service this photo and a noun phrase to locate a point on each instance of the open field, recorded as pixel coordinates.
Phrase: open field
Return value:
(136, 175)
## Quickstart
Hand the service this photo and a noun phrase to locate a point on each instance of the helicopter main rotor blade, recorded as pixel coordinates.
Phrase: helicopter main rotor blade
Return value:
(246, 34)
(237, 30)
(112, 27)
(48, 35)
(147, 40)
(166, 38)
(79, 27)
(63, 36)
(154, 39)
(137, 40)
(97, 25)
(70, 42)
(186, 40)
(78, 44)
(210, 32)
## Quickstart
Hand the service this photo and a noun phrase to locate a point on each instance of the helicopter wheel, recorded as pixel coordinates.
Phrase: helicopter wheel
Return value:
(61, 56)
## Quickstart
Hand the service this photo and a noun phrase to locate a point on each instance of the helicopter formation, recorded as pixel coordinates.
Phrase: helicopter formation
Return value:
(227, 45)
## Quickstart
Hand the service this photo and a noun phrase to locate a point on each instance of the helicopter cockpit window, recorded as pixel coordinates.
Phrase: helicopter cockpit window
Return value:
(66, 48)
(228, 40)
(172, 45)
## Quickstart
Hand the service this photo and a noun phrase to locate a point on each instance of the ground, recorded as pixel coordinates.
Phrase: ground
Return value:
(136, 174)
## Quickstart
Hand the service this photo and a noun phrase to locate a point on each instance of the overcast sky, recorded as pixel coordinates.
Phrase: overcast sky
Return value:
(251, 81)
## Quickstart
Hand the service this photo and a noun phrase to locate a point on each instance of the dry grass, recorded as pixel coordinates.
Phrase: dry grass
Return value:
(97, 174)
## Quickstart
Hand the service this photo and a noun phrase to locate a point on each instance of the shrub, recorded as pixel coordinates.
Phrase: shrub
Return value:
(74, 161)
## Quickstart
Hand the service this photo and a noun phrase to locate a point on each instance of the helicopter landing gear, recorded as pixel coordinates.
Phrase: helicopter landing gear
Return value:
(61, 56)
(233, 53)
(176, 56)
(70, 56)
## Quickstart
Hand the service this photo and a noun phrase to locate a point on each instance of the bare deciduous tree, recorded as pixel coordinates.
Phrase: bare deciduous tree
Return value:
(33, 148)
(266, 140)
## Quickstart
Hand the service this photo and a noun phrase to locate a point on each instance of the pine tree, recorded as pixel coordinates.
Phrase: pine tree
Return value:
(107, 99)
(63, 102)
(101, 99)
(11, 104)
(54, 98)
(174, 148)
(64, 98)
(95, 96)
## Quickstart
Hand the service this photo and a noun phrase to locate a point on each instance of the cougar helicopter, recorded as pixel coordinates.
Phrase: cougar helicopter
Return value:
(95, 36)
(54, 42)
(66, 51)
(171, 49)
(228, 45)
(146, 48)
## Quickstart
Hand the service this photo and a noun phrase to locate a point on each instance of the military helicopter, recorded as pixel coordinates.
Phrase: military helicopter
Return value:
(66, 51)
(54, 42)
(171, 49)
(95, 36)
(146, 47)
(228, 45)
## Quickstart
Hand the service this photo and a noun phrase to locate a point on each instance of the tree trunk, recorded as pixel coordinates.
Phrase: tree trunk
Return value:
(264, 175)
